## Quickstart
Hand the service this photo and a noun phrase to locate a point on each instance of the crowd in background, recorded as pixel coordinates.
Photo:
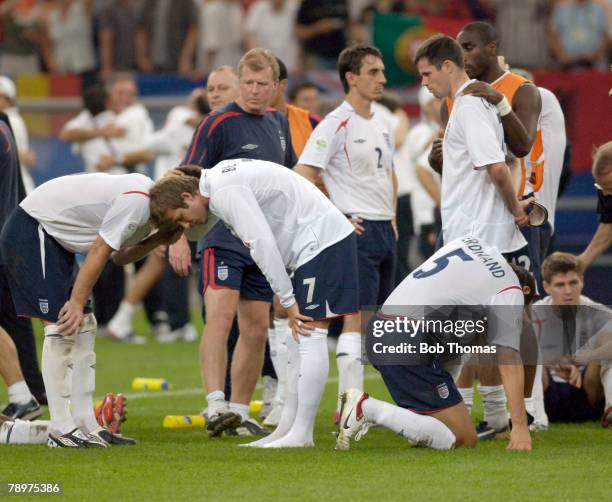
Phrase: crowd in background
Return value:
(192, 37)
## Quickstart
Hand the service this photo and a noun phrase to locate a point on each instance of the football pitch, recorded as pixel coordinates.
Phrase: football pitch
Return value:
(567, 462)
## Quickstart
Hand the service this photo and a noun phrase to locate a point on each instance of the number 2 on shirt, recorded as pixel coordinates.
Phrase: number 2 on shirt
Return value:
(379, 163)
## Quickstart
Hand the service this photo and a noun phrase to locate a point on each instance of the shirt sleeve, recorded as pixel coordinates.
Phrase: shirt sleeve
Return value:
(127, 214)
(321, 145)
(505, 318)
(201, 151)
(478, 120)
(238, 207)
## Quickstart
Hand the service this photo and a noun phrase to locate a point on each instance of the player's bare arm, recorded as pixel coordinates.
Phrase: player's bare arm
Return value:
(312, 174)
(600, 242)
(80, 135)
(179, 256)
(500, 175)
(512, 376)
(394, 220)
(71, 314)
(130, 254)
(521, 123)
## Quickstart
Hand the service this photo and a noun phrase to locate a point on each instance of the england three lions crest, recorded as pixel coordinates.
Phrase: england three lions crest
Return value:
(443, 390)
(222, 272)
(43, 305)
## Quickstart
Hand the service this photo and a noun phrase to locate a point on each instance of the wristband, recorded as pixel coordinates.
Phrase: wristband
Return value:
(503, 107)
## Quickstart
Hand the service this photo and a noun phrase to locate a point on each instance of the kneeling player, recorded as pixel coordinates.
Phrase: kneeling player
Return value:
(288, 226)
(97, 214)
(429, 410)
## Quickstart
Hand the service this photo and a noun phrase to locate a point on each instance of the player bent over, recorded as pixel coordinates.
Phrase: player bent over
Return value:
(102, 216)
(290, 228)
(429, 410)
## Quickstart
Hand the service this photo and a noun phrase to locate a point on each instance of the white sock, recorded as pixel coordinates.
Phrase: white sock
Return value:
(241, 409)
(84, 375)
(537, 395)
(29, 432)
(121, 323)
(282, 331)
(606, 381)
(494, 402)
(314, 368)
(467, 393)
(56, 368)
(291, 395)
(19, 393)
(419, 429)
(348, 359)
(216, 402)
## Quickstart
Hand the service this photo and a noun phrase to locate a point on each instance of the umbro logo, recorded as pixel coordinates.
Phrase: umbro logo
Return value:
(312, 307)
(249, 146)
(359, 141)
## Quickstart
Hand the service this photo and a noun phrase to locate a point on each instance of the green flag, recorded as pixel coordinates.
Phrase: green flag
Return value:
(398, 37)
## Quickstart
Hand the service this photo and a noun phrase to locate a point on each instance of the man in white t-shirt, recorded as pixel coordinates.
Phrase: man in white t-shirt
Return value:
(429, 410)
(351, 153)
(99, 215)
(477, 193)
(304, 247)
(573, 332)
(111, 133)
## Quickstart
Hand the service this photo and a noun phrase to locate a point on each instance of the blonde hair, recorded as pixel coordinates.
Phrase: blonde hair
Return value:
(259, 59)
(166, 194)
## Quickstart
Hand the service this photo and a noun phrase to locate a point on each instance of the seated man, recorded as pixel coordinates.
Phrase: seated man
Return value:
(289, 227)
(573, 332)
(429, 410)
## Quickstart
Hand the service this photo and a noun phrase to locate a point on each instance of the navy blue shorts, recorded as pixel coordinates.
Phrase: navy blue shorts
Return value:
(223, 268)
(422, 389)
(376, 252)
(328, 285)
(40, 271)
(565, 403)
(529, 256)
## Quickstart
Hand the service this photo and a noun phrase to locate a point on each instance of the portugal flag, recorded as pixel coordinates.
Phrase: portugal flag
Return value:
(399, 37)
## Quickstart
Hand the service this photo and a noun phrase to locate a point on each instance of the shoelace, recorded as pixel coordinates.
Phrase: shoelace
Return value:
(363, 431)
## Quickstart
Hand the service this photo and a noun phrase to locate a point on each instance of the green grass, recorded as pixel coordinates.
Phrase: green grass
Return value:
(567, 461)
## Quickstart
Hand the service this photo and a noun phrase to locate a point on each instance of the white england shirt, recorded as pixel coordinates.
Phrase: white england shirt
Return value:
(356, 155)
(470, 272)
(552, 123)
(471, 204)
(74, 210)
(580, 331)
(282, 218)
